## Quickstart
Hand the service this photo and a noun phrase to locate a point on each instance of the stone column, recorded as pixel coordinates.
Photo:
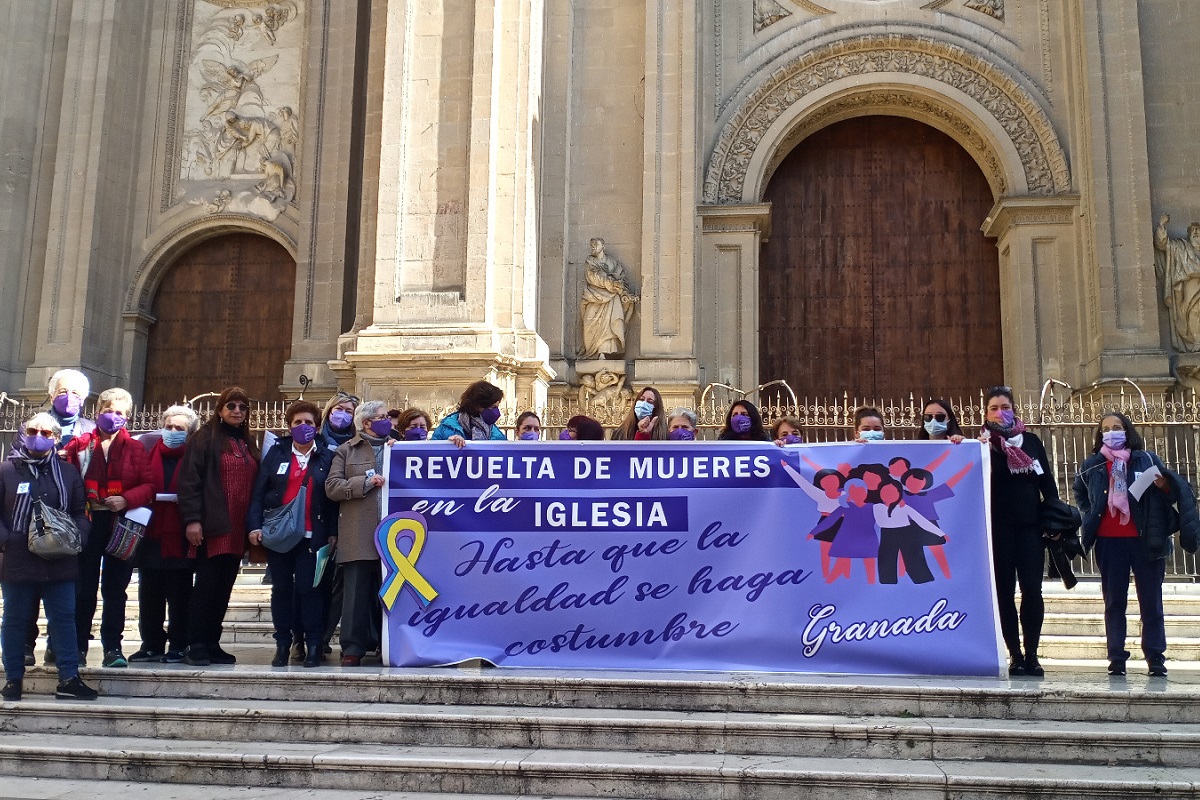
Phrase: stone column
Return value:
(1122, 329)
(727, 302)
(455, 273)
(667, 334)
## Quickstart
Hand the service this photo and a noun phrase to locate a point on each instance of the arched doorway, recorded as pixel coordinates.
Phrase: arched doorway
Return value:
(876, 279)
(224, 316)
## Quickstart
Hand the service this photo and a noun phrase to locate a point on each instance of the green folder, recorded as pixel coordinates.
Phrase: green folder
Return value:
(323, 554)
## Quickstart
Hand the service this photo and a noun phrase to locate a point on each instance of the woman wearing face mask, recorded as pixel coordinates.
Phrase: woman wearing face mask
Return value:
(69, 389)
(412, 425)
(216, 480)
(582, 429)
(337, 423)
(293, 462)
(165, 573)
(116, 477)
(1021, 479)
(939, 423)
(868, 425)
(786, 431)
(355, 480)
(682, 425)
(31, 472)
(529, 427)
(476, 417)
(645, 420)
(743, 424)
(1130, 534)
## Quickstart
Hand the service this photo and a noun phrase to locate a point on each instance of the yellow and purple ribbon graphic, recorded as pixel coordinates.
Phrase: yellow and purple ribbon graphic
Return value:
(406, 527)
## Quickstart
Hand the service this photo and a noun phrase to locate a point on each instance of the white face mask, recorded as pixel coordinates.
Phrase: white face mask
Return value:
(935, 428)
(871, 436)
(643, 409)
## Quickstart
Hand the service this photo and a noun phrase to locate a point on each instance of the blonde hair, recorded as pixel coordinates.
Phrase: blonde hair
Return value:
(114, 396)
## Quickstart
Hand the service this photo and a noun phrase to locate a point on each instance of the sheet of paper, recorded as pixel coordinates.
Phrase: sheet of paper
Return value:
(139, 515)
(1143, 482)
(167, 498)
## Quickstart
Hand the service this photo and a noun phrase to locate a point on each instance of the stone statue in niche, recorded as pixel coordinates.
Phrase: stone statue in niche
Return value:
(606, 306)
(1177, 262)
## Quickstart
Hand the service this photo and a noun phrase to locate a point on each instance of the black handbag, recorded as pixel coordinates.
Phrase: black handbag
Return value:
(53, 534)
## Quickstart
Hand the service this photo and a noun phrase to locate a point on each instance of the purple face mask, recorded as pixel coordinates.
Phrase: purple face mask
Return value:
(67, 404)
(1007, 418)
(529, 436)
(682, 435)
(110, 422)
(565, 436)
(38, 443)
(339, 419)
(303, 433)
(490, 415)
(381, 427)
(740, 423)
(792, 438)
(416, 434)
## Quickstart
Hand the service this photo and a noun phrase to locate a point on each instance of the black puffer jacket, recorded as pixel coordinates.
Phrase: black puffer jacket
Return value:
(1154, 515)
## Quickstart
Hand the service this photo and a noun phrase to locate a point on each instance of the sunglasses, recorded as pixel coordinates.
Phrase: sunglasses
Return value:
(42, 431)
(232, 406)
(340, 395)
(940, 417)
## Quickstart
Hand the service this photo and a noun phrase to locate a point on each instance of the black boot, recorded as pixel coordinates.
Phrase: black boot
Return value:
(1016, 665)
(12, 690)
(281, 655)
(1116, 668)
(1033, 666)
(1158, 665)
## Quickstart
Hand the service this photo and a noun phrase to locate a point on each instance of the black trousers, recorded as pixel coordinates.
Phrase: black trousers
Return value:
(215, 576)
(295, 602)
(362, 613)
(1117, 557)
(164, 594)
(1020, 559)
(111, 576)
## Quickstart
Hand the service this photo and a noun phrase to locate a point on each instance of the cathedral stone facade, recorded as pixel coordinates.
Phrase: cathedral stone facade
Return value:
(397, 197)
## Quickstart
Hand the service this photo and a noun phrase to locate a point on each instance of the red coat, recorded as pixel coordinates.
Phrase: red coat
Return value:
(126, 470)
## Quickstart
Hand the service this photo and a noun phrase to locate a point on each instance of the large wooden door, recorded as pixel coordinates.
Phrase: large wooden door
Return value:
(876, 279)
(224, 317)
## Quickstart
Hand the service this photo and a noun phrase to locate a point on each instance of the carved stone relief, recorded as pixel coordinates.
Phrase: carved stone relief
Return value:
(767, 13)
(241, 130)
(1017, 113)
(993, 8)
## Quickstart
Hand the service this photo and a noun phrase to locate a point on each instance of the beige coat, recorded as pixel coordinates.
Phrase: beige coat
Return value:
(360, 508)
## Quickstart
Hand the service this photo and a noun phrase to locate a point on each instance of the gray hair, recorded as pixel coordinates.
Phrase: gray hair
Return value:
(193, 422)
(73, 378)
(115, 395)
(45, 421)
(686, 413)
(366, 411)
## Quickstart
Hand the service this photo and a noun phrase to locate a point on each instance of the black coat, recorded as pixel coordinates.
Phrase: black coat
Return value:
(1154, 516)
(269, 488)
(18, 565)
(1017, 498)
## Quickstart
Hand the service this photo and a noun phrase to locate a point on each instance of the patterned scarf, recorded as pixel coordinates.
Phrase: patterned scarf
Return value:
(1008, 441)
(36, 466)
(1118, 482)
(474, 428)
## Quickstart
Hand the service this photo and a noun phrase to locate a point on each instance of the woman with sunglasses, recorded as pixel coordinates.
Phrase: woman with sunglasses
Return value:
(1130, 534)
(356, 482)
(31, 472)
(116, 477)
(1022, 477)
(216, 479)
(476, 417)
(940, 423)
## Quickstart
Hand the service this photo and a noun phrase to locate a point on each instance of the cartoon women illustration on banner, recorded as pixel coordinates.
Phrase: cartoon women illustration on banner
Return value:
(852, 531)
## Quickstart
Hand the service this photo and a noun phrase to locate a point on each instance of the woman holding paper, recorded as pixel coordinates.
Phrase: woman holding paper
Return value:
(116, 477)
(165, 572)
(1021, 479)
(356, 482)
(1129, 522)
(295, 463)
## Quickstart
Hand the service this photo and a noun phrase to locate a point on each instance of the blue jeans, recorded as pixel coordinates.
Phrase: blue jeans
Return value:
(20, 600)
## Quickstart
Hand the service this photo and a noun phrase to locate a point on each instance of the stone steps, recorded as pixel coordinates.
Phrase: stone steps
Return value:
(500, 732)
(62, 789)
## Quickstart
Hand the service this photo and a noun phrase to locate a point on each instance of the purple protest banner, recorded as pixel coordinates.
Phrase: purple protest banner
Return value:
(838, 558)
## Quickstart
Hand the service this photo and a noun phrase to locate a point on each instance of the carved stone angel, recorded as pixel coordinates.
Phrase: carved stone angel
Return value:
(231, 82)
